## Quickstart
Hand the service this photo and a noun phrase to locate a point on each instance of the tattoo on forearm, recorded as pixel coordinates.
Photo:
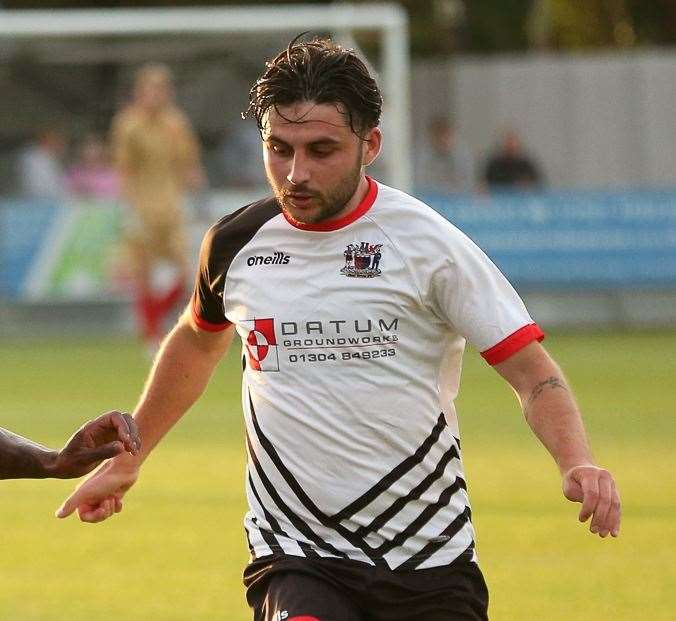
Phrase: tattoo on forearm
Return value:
(550, 382)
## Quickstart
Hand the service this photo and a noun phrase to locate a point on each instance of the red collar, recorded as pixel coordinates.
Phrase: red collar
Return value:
(334, 225)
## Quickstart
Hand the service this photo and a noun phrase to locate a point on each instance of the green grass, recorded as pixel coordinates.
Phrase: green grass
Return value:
(177, 550)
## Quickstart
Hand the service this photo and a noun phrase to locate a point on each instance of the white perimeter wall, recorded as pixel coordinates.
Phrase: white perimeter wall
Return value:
(603, 120)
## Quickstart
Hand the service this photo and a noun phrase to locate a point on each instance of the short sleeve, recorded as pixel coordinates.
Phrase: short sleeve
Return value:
(474, 297)
(207, 298)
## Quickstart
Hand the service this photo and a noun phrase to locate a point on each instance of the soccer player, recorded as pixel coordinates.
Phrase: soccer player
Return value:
(102, 438)
(158, 159)
(358, 506)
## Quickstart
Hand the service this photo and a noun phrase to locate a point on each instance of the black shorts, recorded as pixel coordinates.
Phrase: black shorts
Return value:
(287, 588)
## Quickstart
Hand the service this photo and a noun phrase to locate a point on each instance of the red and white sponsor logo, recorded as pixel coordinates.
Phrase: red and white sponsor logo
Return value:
(261, 345)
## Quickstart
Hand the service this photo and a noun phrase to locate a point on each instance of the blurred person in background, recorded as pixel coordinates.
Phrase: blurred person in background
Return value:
(157, 156)
(445, 163)
(102, 438)
(92, 175)
(510, 166)
(41, 168)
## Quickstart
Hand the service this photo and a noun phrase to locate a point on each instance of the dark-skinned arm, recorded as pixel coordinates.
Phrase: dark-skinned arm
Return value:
(102, 438)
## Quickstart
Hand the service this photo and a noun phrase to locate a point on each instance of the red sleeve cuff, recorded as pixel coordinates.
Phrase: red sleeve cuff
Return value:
(513, 343)
(203, 324)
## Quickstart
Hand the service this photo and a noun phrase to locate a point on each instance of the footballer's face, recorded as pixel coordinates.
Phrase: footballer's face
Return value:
(315, 162)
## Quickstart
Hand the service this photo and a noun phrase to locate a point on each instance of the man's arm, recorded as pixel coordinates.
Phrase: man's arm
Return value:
(102, 438)
(552, 413)
(121, 151)
(180, 374)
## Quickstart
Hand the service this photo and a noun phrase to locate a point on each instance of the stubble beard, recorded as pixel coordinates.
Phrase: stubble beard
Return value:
(328, 203)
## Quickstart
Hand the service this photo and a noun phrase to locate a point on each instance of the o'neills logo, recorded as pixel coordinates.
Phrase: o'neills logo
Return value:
(277, 258)
(261, 344)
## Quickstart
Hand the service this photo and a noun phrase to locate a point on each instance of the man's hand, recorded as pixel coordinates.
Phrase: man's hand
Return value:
(97, 498)
(105, 437)
(595, 488)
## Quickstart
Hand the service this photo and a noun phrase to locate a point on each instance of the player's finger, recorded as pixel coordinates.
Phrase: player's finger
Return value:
(68, 506)
(118, 504)
(109, 506)
(134, 435)
(88, 512)
(96, 513)
(590, 491)
(92, 516)
(598, 523)
(125, 429)
(102, 452)
(614, 513)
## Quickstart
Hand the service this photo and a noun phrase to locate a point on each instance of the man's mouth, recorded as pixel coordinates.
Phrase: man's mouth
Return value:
(300, 199)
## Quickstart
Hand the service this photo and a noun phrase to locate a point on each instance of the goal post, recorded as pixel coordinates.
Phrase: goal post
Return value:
(388, 20)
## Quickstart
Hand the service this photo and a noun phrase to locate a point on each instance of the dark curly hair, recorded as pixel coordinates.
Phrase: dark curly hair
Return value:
(319, 71)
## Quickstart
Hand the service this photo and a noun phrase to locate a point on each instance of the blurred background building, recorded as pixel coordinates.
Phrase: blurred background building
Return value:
(543, 128)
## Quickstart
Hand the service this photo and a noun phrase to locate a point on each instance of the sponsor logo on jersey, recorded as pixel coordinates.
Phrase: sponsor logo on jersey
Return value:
(261, 345)
(276, 258)
(281, 615)
(362, 260)
(339, 333)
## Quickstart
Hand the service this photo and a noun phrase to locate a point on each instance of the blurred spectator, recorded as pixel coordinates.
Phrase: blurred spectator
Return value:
(92, 175)
(445, 163)
(41, 170)
(157, 157)
(510, 166)
(242, 157)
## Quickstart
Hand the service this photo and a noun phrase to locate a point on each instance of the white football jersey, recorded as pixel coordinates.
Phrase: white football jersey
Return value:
(353, 333)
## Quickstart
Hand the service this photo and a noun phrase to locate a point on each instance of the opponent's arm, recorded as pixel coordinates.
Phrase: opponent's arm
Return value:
(21, 458)
(102, 438)
(552, 413)
(192, 171)
(180, 374)
(121, 152)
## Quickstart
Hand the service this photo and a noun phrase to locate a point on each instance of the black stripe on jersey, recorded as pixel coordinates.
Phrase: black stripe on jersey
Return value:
(220, 245)
(425, 516)
(276, 528)
(298, 523)
(374, 554)
(434, 546)
(307, 502)
(414, 494)
(399, 471)
(248, 543)
(268, 537)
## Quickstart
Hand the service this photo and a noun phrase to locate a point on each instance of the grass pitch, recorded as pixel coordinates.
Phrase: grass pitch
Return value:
(177, 550)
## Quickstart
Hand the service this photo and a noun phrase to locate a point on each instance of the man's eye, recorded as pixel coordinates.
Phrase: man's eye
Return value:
(278, 148)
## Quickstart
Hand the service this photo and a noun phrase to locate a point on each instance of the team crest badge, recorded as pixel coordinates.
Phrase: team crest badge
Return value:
(261, 345)
(362, 260)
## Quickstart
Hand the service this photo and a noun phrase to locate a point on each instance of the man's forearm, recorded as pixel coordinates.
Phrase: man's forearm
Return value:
(180, 374)
(21, 458)
(553, 415)
(548, 405)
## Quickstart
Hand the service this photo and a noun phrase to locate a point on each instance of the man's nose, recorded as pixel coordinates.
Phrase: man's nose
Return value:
(300, 171)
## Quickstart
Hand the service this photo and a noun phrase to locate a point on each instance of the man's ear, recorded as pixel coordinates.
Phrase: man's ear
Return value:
(371, 145)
